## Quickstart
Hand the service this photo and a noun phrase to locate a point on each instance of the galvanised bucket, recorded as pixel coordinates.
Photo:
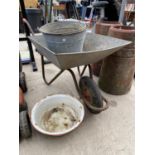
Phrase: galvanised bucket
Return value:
(64, 36)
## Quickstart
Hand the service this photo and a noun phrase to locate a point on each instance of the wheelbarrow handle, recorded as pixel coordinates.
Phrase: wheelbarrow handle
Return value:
(28, 25)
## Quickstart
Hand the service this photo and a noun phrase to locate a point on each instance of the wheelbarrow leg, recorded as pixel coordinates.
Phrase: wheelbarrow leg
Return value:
(84, 68)
(71, 72)
(78, 68)
(90, 71)
(43, 72)
(75, 81)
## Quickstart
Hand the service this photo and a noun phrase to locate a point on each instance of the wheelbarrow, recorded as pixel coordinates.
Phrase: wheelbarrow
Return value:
(96, 47)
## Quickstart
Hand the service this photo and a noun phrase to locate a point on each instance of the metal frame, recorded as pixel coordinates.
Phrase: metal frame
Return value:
(84, 68)
(75, 83)
(32, 59)
(70, 71)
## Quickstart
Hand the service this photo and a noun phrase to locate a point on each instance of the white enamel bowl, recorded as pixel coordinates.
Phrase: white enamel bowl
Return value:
(51, 102)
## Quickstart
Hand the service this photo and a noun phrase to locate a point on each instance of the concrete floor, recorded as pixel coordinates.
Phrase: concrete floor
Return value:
(108, 133)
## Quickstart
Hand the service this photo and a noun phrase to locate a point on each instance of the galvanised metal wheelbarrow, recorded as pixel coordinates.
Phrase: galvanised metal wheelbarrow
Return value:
(96, 47)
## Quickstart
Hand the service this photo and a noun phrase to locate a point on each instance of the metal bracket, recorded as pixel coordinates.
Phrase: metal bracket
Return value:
(61, 71)
(84, 68)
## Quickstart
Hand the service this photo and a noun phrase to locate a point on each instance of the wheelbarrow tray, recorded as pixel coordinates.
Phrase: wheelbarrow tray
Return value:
(96, 47)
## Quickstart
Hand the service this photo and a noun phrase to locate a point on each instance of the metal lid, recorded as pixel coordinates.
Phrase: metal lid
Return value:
(63, 27)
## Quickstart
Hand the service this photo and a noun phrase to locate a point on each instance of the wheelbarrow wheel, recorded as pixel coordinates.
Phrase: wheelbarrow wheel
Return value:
(24, 125)
(22, 82)
(91, 94)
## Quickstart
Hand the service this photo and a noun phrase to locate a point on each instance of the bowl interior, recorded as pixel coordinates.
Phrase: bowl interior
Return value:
(51, 102)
